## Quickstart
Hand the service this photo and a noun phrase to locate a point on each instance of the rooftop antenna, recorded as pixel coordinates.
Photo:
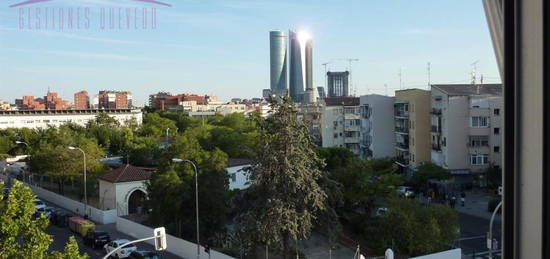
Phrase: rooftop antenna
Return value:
(429, 75)
(474, 71)
(400, 78)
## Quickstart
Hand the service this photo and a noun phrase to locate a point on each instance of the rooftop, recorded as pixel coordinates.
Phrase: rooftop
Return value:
(469, 89)
(342, 100)
(126, 173)
(70, 112)
(232, 162)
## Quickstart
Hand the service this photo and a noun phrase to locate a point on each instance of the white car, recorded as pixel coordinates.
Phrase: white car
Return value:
(39, 205)
(121, 253)
(405, 191)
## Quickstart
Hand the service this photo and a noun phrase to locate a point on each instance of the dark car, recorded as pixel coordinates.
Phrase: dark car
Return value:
(143, 254)
(97, 239)
(60, 217)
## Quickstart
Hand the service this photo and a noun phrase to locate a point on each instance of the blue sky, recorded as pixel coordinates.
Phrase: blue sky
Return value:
(222, 47)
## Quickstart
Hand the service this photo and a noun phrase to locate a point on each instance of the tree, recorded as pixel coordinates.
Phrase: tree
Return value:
(429, 171)
(412, 229)
(284, 175)
(21, 236)
(172, 189)
(156, 126)
(335, 157)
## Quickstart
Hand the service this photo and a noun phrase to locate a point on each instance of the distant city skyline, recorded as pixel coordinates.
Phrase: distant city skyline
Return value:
(221, 48)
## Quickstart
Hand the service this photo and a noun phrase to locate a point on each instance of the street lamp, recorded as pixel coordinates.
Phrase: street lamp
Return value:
(85, 189)
(179, 160)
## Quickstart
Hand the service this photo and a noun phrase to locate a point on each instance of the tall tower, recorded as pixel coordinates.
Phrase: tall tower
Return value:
(300, 73)
(278, 55)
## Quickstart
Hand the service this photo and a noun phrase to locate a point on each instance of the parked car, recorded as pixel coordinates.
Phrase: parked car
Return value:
(405, 191)
(144, 254)
(121, 253)
(377, 212)
(61, 217)
(39, 205)
(97, 239)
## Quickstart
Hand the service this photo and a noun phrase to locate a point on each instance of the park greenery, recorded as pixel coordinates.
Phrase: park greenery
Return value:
(21, 234)
(295, 188)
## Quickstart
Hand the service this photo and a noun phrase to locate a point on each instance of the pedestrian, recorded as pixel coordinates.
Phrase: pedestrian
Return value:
(429, 200)
(463, 198)
(453, 201)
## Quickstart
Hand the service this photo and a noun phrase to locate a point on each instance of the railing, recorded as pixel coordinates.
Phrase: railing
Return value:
(436, 147)
(402, 160)
(402, 145)
(436, 129)
(401, 114)
(401, 129)
(436, 111)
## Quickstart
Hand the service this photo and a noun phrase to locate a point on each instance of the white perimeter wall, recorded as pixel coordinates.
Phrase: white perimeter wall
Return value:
(450, 254)
(96, 215)
(174, 245)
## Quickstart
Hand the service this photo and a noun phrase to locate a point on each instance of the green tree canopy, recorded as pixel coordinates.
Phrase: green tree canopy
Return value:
(412, 229)
(21, 236)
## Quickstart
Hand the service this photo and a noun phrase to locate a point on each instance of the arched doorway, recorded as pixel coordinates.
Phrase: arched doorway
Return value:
(135, 202)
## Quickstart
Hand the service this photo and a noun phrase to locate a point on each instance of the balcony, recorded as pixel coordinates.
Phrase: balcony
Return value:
(402, 161)
(402, 146)
(436, 129)
(436, 111)
(401, 114)
(436, 147)
(402, 130)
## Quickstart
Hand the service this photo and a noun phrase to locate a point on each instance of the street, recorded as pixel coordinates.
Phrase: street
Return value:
(473, 231)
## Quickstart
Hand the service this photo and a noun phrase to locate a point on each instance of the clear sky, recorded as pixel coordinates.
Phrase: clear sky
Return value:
(221, 47)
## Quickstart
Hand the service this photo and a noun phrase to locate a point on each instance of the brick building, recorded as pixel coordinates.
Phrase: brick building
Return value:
(81, 101)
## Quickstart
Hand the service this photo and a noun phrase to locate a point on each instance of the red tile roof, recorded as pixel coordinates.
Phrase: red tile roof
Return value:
(126, 173)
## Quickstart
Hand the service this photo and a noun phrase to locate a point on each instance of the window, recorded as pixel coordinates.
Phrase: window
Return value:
(479, 159)
(479, 141)
(496, 149)
(335, 135)
(479, 122)
(496, 112)
(496, 131)
(233, 177)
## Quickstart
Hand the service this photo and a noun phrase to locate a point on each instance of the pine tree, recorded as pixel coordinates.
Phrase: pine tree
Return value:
(284, 181)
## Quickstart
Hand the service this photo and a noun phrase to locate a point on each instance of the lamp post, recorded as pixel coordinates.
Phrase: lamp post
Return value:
(85, 188)
(490, 235)
(28, 147)
(179, 160)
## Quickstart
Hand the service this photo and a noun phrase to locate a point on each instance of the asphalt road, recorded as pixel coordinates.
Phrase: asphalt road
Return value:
(473, 231)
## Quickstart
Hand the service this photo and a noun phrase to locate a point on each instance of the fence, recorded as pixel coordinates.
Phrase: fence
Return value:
(97, 215)
(175, 245)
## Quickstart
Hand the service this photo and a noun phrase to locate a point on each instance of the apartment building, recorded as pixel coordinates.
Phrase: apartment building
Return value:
(412, 128)
(81, 101)
(112, 100)
(341, 123)
(377, 126)
(466, 128)
(312, 115)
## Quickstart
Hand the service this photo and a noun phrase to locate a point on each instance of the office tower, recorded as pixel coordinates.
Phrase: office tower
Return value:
(338, 84)
(300, 73)
(81, 101)
(278, 56)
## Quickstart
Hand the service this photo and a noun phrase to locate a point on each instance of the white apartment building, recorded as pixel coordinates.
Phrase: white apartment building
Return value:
(44, 118)
(466, 128)
(341, 123)
(377, 126)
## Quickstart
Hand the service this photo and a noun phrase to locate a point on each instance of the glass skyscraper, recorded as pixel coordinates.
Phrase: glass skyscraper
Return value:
(278, 60)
